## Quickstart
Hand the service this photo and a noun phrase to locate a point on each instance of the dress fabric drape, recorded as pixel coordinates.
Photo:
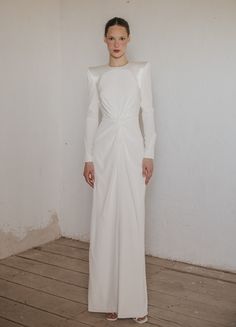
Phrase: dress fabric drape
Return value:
(116, 146)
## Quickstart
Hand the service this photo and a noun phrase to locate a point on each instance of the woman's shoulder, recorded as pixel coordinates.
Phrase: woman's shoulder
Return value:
(97, 70)
(140, 64)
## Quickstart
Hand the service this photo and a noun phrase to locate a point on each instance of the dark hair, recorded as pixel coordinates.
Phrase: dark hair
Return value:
(117, 21)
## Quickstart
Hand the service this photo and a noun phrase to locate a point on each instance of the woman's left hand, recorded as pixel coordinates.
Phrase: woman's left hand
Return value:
(147, 169)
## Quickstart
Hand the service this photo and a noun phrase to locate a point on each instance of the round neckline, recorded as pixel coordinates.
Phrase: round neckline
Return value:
(118, 66)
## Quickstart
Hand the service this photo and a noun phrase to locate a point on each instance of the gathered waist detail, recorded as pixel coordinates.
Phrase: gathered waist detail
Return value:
(121, 119)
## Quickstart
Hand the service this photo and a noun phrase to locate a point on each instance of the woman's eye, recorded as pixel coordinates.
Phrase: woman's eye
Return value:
(112, 38)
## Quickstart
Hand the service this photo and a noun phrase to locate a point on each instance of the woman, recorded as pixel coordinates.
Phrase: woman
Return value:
(118, 166)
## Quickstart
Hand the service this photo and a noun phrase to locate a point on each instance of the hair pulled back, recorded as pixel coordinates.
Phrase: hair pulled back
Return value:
(117, 21)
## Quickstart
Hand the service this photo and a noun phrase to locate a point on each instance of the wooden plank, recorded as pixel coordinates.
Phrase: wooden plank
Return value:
(37, 299)
(160, 317)
(44, 284)
(47, 270)
(192, 308)
(9, 323)
(31, 317)
(72, 242)
(152, 270)
(70, 252)
(195, 287)
(192, 269)
(56, 260)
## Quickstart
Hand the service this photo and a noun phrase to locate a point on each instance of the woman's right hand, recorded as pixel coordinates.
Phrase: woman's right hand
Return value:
(89, 174)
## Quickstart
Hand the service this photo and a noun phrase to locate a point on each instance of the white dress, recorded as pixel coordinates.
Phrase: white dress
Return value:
(117, 273)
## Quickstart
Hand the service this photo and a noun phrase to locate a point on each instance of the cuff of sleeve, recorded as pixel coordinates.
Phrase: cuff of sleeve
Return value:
(88, 157)
(149, 153)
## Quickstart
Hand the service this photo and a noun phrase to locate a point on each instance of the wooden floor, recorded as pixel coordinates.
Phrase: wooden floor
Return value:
(47, 286)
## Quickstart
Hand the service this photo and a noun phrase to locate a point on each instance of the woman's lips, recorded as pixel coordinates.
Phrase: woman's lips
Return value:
(116, 50)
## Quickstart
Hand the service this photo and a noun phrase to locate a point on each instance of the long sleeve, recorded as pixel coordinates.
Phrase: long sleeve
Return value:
(92, 116)
(147, 112)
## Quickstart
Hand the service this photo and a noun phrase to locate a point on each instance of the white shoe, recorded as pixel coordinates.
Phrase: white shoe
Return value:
(113, 316)
(141, 321)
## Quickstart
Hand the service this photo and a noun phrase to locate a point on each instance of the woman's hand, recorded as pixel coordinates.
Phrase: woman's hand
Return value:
(89, 173)
(147, 169)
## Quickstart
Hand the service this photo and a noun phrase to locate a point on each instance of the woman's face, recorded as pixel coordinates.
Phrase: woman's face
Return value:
(116, 40)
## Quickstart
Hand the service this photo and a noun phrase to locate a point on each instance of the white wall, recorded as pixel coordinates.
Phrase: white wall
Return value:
(30, 146)
(191, 212)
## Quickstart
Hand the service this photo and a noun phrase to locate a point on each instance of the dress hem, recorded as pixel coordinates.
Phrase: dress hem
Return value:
(119, 315)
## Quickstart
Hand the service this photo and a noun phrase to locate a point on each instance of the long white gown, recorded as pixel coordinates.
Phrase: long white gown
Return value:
(116, 146)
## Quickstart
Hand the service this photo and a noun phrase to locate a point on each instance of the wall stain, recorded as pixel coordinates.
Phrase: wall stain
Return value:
(11, 244)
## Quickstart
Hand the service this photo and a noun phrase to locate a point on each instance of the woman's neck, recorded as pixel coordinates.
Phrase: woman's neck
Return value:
(116, 62)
